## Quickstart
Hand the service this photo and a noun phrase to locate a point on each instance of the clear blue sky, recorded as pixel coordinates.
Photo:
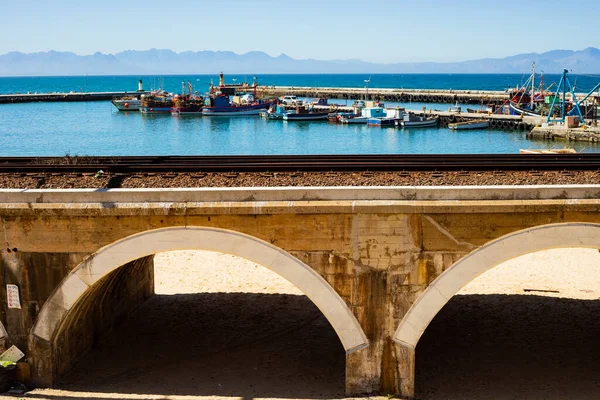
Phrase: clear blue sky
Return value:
(378, 31)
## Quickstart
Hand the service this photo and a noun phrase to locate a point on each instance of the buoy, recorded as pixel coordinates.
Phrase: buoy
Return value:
(126, 105)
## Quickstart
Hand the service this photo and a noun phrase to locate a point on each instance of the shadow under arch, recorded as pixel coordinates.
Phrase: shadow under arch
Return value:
(486, 257)
(147, 243)
(3, 333)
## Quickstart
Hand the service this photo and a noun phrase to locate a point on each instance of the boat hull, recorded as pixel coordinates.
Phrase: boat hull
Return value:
(127, 105)
(271, 116)
(471, 125)
(235, 111)
(155, 110)
(418, 124)
(516, 110)
(354, 120)
(186, 110)
(382, 121)
(306, 117)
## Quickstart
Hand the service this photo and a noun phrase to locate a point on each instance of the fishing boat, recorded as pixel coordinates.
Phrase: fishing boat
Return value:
(220, 106)
(356, 116)
(389, 119)
(274, 113)
(415, 121)
(127, 104)
(156, 103)
(356, 119)
(469, 125)
(526, 101)
(521, 109)
(187, 105)
(483, 110)
(303, 114)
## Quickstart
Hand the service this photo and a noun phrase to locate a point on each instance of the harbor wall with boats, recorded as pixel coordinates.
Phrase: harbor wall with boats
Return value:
(521, 108)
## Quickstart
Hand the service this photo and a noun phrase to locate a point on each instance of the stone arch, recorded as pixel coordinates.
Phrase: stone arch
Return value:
(111, 257)
(488, 256)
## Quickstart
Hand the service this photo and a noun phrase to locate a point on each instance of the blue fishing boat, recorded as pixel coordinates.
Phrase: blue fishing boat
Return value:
(221, 106)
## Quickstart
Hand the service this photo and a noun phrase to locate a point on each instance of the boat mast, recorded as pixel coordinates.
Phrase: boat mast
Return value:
(532, 84)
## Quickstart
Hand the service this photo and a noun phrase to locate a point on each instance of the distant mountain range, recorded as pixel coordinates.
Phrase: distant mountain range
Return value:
(155, 61)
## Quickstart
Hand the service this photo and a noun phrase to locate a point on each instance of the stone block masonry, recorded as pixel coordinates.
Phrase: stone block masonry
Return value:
(379, 263)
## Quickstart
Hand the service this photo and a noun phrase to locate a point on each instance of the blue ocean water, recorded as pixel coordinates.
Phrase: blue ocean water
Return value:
(172, 83)
(97, 128)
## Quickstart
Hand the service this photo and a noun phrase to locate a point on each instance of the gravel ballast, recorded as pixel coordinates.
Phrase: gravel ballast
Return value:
(282, 179)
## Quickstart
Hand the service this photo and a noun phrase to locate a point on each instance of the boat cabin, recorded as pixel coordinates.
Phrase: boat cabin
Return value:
(397, 112)
(217, 101)
(373, 112)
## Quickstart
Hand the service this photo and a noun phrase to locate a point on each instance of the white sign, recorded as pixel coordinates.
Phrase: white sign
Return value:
(13, 354)
(12, 296)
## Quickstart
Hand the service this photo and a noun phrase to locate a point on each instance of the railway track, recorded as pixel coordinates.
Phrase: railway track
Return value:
(302, 163)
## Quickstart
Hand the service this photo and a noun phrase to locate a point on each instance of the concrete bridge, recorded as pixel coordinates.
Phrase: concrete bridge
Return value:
(378, 262)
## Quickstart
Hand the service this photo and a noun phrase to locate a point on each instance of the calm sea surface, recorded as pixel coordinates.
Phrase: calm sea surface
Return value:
(97, 128)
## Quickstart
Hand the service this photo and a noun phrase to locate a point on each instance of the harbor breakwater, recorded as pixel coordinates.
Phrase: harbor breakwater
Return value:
(389, 94)
(63, 97)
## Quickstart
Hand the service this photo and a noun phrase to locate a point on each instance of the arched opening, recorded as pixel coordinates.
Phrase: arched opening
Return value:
(91, 297)
(516, 316)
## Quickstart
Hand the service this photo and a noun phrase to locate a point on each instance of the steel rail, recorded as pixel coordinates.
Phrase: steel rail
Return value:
(302, 163)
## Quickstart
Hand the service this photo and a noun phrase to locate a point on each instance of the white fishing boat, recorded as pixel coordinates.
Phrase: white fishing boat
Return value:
(127, 104)
(354, 120)
(469, 125)
(365, 114)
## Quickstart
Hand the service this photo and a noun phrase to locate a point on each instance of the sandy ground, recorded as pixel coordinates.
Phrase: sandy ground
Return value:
(221, 327)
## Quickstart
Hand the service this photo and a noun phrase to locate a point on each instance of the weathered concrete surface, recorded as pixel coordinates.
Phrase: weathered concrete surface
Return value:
(364, 256)
(100, 309)
(561, 132)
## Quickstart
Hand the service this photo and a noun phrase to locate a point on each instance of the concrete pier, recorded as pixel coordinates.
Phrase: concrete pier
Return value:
(561, 132)
(59, 97)
(390, 94)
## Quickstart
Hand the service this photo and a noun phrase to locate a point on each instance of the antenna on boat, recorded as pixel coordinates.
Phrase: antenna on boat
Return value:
(255, 84)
